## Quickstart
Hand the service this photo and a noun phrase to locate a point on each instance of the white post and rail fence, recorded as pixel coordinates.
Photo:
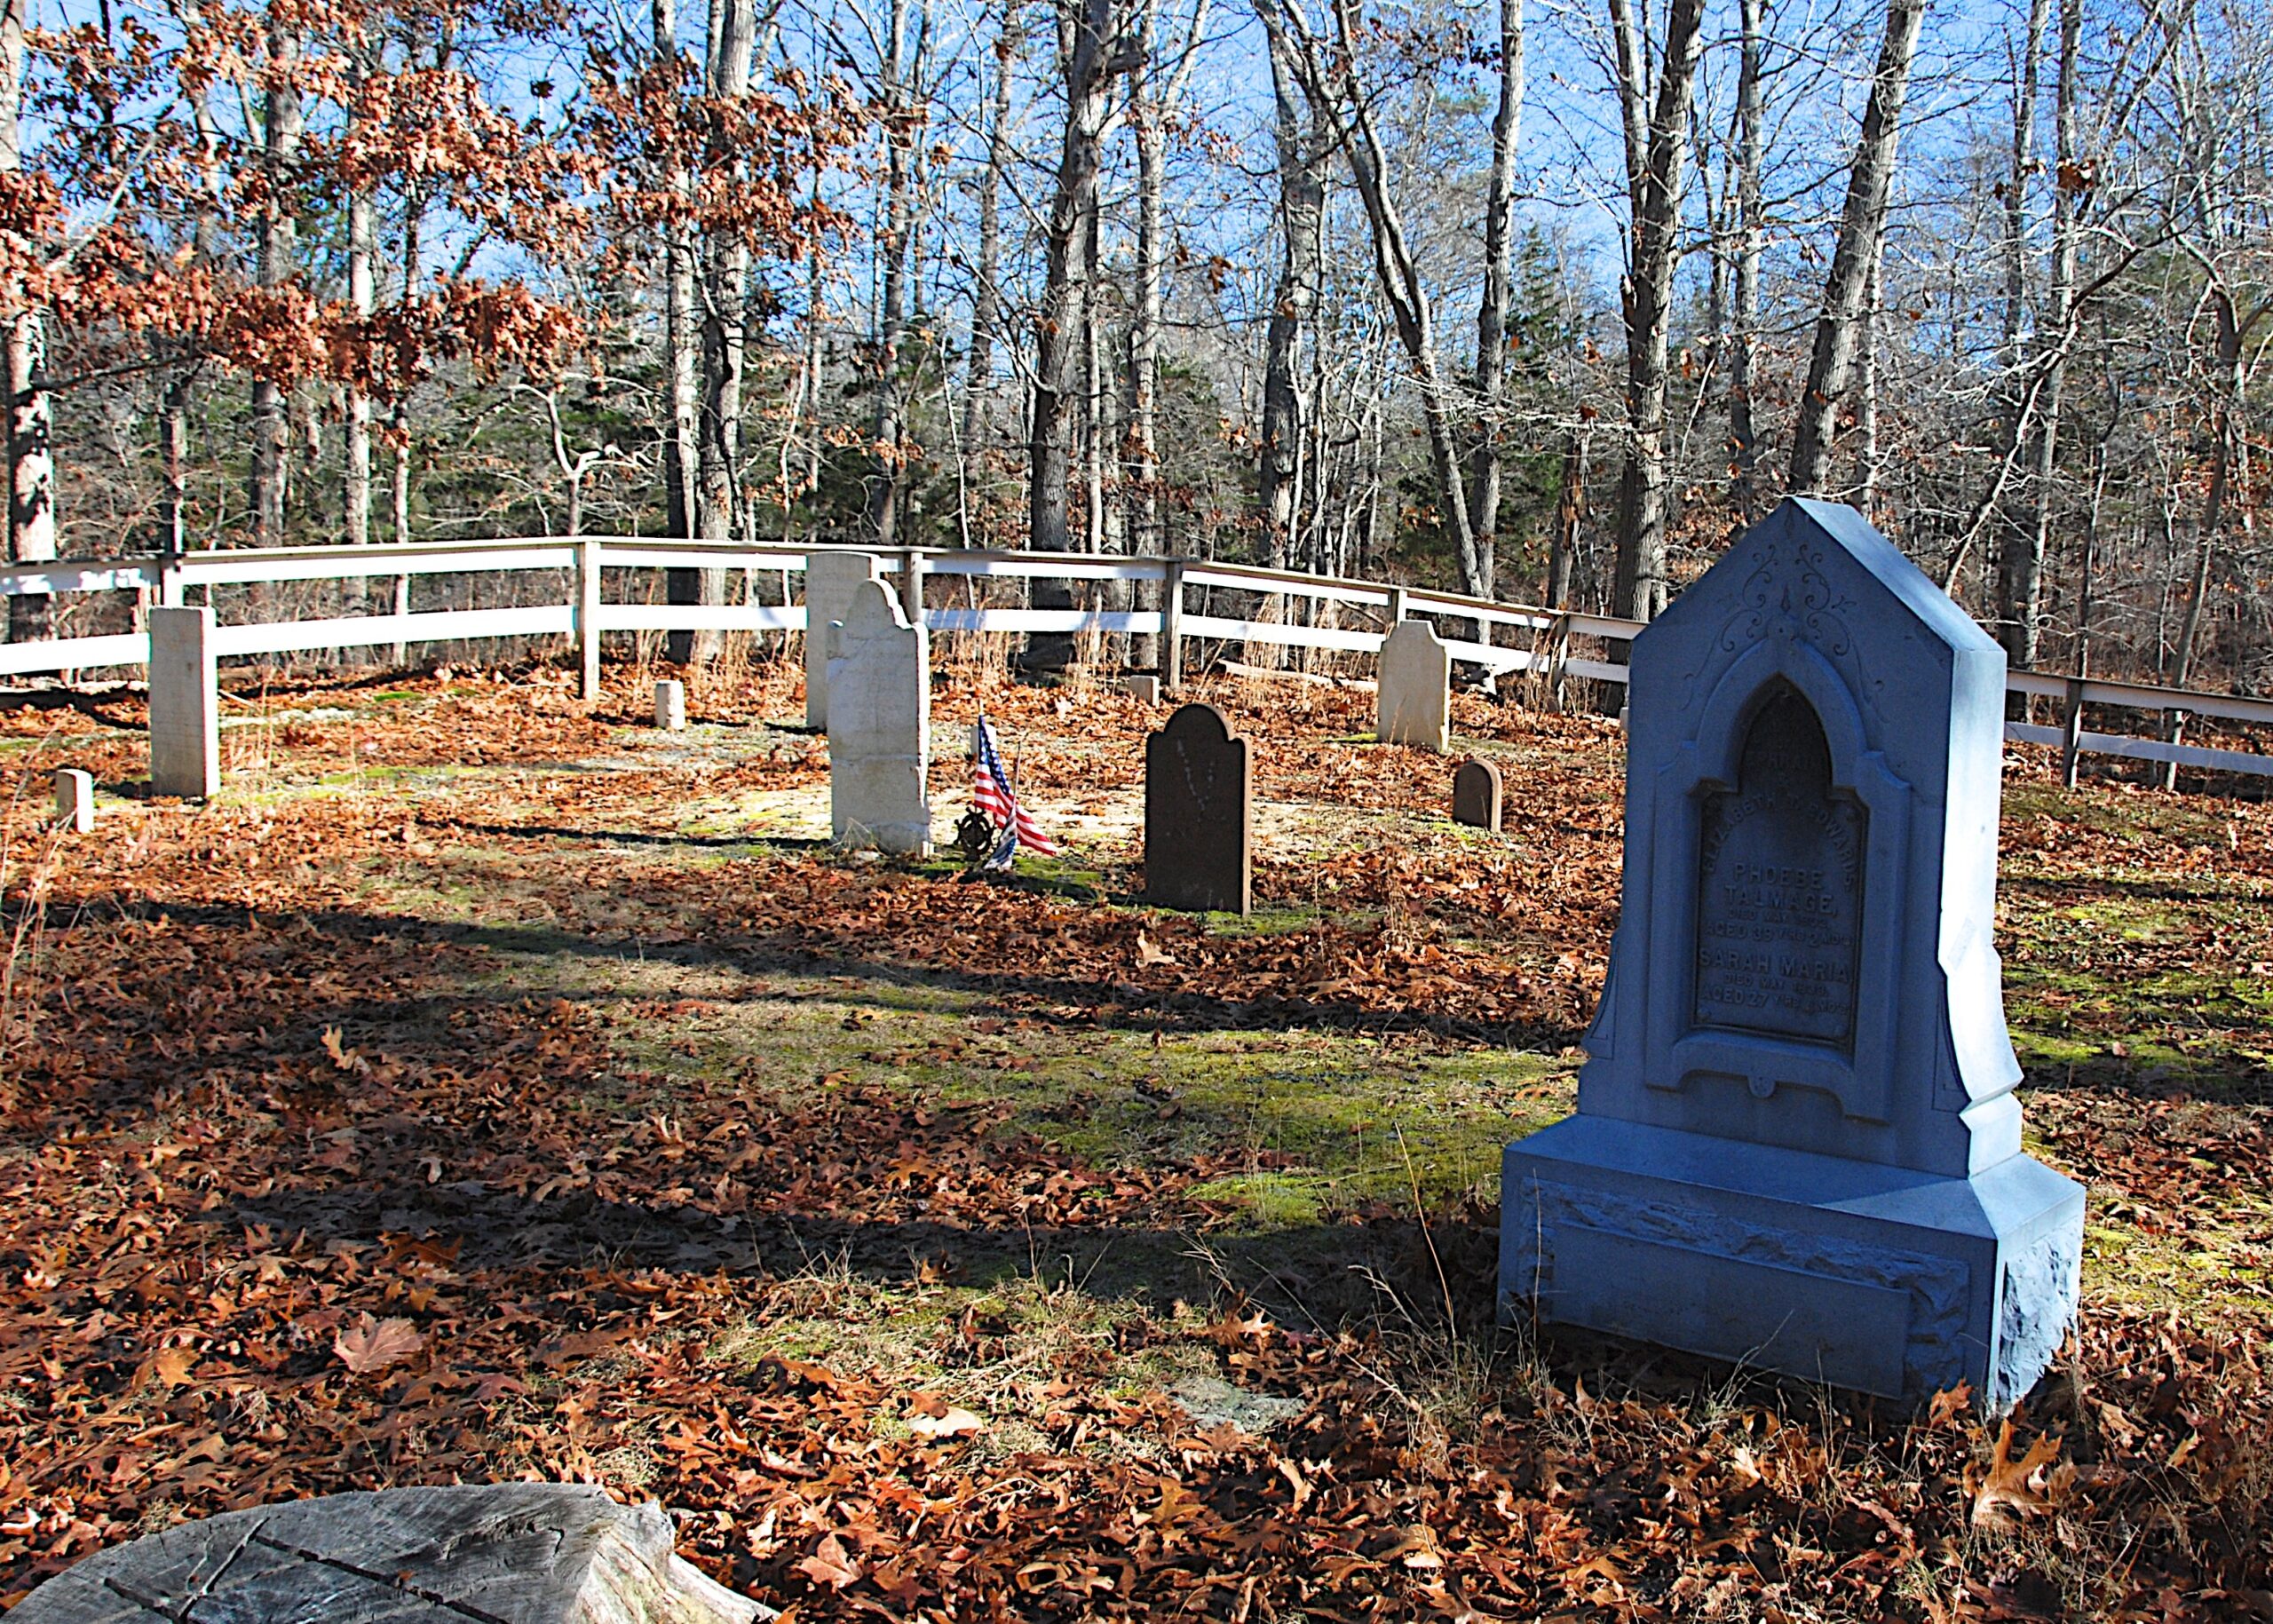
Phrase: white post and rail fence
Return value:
(1199, 603)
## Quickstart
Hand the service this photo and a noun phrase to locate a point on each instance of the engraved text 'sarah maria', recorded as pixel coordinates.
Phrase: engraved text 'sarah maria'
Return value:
(1779, 900)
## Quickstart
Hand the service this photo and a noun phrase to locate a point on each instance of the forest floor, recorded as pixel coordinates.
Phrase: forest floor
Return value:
(488, 1085)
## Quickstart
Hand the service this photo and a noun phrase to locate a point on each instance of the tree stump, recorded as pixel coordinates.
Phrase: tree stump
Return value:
(509, 1553)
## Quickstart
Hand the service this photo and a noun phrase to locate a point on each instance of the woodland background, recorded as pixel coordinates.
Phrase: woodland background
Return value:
(1537, 298)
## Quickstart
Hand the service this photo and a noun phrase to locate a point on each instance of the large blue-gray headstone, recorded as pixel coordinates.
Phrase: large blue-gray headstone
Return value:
(1796, 1142)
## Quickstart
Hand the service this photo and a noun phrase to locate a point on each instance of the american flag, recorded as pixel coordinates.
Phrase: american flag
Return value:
(990, 789)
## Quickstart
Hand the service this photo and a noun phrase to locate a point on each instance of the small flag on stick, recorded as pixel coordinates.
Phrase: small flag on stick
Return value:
(991, 792)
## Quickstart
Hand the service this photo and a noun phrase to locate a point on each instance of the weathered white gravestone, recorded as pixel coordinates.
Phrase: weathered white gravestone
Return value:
(74, 800)
(879, 726)
(670, 705)
(1416, 677)
(831, 578)
(1796, 1142)
(185, 705)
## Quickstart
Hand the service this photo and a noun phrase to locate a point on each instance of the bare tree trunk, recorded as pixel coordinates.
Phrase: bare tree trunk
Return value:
(31, 456)
(986, 299)
(1866, 399)
(732, 38)
(1639, 585)
(1570, 509)
(1151, 90)
(1751, 154)
(2016, 183)
(1091, 52)
(899, 131)
(1497, 293)
(173, 460)
(682, 362)
(273, 267)
(1862, 230)
(1403, 286)
(1089, 37)
(173, 409)
(362, 296)
(2017, 543)
(2029, 531)
(2229, 471)
(1093, 429)
(1303, 146)
(414, 213)
(733, 42)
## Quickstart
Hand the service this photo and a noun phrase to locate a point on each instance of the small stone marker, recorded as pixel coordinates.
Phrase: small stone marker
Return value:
(1144, 690)
(670, 705)
(1796, 1144)
(185, 705)
(1416, 688)
(1476, 795)
(1198, 814)
(831, 578)
(510, 1553)
(74, 800)
(879, 726)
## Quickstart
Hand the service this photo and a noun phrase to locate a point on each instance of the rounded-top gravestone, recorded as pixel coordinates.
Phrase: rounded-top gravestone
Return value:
(1199, 797)
(1476, 795)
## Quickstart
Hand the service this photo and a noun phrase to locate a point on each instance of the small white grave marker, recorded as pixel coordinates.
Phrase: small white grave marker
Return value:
(74, 800)
(670, 705)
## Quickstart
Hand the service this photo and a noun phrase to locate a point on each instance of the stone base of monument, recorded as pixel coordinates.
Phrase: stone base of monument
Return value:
(1856, 1274)
(513, 1553)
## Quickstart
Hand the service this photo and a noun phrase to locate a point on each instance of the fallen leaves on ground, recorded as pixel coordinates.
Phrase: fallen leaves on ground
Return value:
(298, 1200)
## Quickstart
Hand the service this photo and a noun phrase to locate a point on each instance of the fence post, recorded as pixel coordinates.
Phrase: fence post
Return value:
(184, 703)
(911, 585)
(588, 617)
(2071, 727)
(401, 608)
(1396, 609)
(1172, 626)
(1558, 655)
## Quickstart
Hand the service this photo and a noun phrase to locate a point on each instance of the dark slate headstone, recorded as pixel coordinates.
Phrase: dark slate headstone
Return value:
(507, 1553)
(1198, 814)
(1797, 1143)
(1476, 795)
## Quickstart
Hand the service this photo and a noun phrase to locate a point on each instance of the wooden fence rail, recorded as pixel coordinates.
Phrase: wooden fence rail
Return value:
(1503, 639)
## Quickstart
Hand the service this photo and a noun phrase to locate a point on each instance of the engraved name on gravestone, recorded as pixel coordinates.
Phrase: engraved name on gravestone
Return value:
(1780, 887)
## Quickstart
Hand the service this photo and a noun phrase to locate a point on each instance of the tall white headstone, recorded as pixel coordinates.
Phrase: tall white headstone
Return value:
(831, 578)
(185, 705)
(879, 726)
(1416, 688)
